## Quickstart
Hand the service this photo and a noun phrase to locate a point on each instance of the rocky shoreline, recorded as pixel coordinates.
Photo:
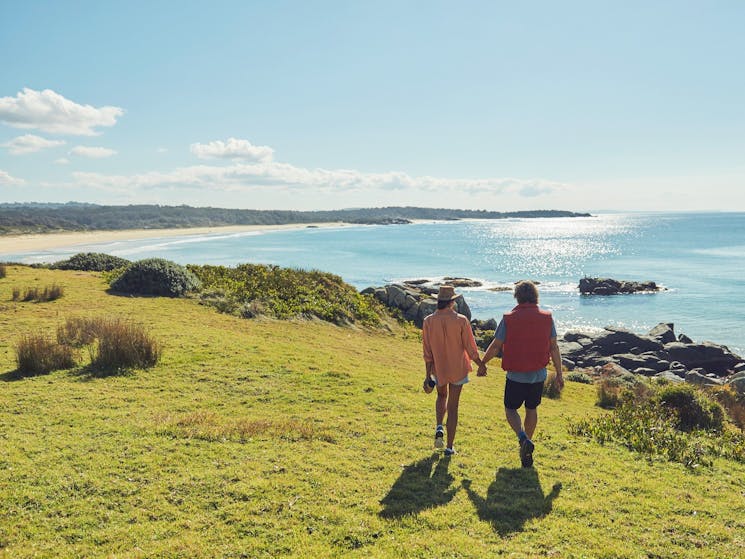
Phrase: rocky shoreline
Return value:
(613, 351)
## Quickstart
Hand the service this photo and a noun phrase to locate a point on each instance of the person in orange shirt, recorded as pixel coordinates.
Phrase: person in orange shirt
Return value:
(449, 348)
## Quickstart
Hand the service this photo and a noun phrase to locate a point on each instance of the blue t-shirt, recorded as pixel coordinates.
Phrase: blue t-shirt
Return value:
(526, 377)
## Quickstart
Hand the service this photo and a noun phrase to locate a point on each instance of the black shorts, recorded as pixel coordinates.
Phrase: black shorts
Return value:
(517, 393)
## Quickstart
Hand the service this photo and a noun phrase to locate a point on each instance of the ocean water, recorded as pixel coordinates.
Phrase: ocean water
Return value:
(698, 257)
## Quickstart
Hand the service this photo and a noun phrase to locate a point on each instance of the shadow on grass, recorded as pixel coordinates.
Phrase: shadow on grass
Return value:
(89, 373)
(419, 487)
(513, 498)
(11, 376)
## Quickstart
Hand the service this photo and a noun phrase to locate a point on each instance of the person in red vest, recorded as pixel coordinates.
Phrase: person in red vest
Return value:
(448, 349)
(527, 338)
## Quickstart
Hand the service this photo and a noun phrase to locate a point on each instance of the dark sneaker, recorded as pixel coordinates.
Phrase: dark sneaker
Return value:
(526, 453)
(439, 438)
(449, 451)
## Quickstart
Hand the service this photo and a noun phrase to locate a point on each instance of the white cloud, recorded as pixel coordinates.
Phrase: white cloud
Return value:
(51, 112)
(92, 152)
(233, 149)
(7, 180)
(30, 144)
(162, 150)
(62, 161)
(245, 177)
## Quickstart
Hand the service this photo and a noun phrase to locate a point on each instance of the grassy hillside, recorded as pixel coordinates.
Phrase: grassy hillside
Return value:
(262, 438)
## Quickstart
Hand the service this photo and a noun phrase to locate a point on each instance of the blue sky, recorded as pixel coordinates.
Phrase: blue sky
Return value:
(330, 104)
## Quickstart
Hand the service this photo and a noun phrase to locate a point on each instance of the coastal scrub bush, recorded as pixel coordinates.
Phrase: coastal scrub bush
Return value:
(609, 393)
(692, 407)
(156, 276)
(678, 422)
(483, 338)
(91, 262)
(733, 402)
(38, 295)
(578, 376)
(644, 428)
(612, 387)
(251, 290)
(36, 354)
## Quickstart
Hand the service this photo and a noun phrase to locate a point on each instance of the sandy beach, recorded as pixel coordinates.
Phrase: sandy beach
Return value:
(13, 244)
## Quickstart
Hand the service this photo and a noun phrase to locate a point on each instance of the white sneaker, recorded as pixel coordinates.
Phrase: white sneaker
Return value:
(439, 438)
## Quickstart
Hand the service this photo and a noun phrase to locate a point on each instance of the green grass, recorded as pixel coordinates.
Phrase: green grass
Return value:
(265, 438)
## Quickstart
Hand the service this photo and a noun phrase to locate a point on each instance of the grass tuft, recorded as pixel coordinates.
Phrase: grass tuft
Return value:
(37, 354)
(38, 295)
(122, 345)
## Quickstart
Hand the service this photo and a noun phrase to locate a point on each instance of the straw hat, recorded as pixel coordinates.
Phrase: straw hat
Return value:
(447, 293)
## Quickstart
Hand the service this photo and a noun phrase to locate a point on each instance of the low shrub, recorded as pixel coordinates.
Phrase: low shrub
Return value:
(611, 388)
(156, 276)
(483, 338)
(609, 393)
(3, 271)
(91, 262)
(644, 428)
(36, 354)
(38, 295)
(250, 290)
(578, 376)
(677, 421)
(733, 402)
(692, 407)
(123, 345)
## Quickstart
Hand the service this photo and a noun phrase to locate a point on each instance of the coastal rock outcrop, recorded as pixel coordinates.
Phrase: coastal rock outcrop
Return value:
(415, 300)
(609, 286)
(658, 353)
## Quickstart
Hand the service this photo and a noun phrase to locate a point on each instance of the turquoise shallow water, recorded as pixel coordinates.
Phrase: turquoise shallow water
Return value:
(699, 257)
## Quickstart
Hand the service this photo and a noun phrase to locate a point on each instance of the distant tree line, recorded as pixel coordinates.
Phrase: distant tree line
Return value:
(39, 218)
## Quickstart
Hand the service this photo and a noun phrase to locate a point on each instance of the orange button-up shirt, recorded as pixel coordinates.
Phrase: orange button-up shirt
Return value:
(448, 342)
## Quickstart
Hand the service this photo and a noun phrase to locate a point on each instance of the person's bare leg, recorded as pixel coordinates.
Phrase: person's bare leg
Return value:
(513, 418)
(453, 401)
(531, 420)
(441, 403)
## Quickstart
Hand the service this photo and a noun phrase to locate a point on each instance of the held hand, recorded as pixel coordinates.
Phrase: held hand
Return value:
(560, 381)
(482, 371)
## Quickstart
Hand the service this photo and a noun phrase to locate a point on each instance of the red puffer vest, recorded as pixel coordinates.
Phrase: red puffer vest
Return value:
(528, 344)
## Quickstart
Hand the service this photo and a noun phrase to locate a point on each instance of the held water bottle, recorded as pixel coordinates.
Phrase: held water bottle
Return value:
(429, 384)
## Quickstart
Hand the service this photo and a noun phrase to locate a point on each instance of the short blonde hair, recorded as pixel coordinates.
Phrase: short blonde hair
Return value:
(526, 292)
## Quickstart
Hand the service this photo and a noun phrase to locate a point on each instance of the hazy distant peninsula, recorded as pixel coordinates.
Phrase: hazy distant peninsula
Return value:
(72, 216)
